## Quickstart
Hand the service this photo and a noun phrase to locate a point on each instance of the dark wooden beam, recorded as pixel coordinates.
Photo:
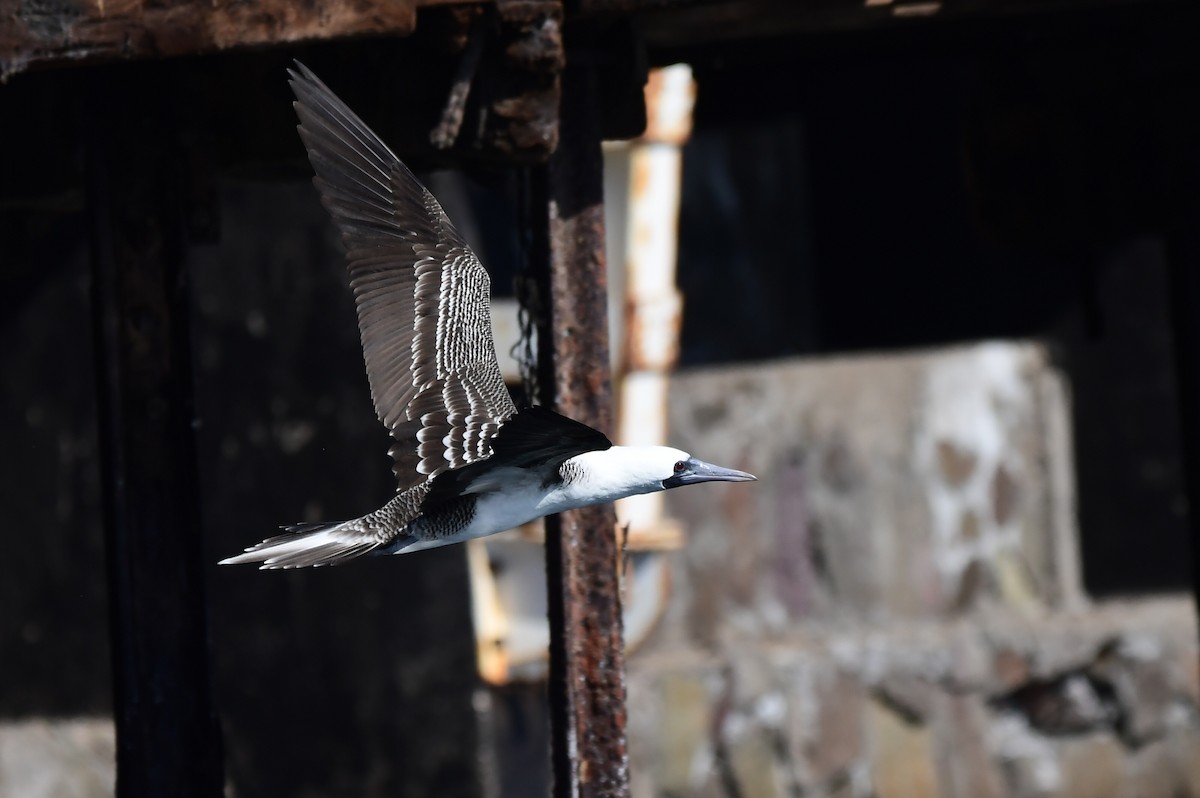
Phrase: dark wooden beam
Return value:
(167, 736)
(700, 30)
(70, 31)
(39, 34)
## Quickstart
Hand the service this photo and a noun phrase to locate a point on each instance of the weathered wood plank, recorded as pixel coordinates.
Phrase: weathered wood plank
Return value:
(60, 31)
(54, 32)
(168, 741)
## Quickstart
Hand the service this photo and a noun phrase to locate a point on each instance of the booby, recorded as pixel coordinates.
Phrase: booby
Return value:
(469, 463)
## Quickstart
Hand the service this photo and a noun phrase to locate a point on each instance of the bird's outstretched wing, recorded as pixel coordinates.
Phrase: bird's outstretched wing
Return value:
(422, 295)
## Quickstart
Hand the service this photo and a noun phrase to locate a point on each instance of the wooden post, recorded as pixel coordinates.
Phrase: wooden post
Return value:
(167, 736)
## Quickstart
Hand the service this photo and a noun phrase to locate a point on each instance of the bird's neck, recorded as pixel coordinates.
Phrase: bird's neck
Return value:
(602, 476)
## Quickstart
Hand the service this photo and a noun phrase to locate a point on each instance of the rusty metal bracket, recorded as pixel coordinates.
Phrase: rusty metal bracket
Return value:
(522, 87)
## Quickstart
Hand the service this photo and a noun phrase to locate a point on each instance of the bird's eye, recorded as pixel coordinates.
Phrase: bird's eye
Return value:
(680, 466)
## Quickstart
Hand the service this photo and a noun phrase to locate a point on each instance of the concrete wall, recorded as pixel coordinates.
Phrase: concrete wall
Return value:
(1087, 704)
(894, 608)
(61, 758)
(905, 486)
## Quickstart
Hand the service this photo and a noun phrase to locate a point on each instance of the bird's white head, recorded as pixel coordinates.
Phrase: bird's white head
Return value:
(628, 470)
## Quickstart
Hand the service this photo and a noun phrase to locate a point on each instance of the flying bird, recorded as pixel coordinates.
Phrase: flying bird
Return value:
(469, 463)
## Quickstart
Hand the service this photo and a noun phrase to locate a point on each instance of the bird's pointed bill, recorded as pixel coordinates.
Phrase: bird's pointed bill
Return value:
(696, 471)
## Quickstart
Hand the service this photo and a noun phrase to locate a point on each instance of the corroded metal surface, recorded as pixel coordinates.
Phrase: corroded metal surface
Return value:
(587, 676)
(523, 86)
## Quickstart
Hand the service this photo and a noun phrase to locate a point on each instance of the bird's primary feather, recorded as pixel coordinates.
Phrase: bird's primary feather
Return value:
(421, 294)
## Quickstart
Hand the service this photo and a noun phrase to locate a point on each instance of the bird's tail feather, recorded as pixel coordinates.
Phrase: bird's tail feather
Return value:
(304, 545)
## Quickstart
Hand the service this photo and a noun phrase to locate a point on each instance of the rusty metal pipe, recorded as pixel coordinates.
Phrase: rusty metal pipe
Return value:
(587, 673)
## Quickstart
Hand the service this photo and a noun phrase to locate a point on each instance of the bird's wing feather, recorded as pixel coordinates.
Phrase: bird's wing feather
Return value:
(422, 295)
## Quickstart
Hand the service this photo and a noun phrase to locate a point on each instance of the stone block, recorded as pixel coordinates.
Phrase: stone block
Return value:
(1168, 767)
(909, 694)
(755, 764)
(840, 740)
(1091, 767)
(902, 756)
(1027, 761)
(1086, 701)
(964, 763)
(824, 723)
(912, 485)
(1010, 668)
(58, 759)
(1133, 668)
(685, 744)
(1184, 756)
(673, 707)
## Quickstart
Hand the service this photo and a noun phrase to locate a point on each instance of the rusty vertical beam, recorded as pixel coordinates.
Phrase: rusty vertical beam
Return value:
(167, 737)
(587, 670)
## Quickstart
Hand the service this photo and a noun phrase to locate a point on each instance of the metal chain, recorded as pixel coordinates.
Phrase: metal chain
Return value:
(524, 351)
(525, 287)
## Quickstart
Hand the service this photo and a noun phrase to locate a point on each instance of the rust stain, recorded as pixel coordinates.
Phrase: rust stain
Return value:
(669, 97)
(1004, 495)
(968, 527)
(652, 333)
(916, 9)
(639, 179)
(955, 463)
(1011, 668)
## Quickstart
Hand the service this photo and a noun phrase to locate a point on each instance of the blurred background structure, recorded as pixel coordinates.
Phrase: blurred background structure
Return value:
(937, 283)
